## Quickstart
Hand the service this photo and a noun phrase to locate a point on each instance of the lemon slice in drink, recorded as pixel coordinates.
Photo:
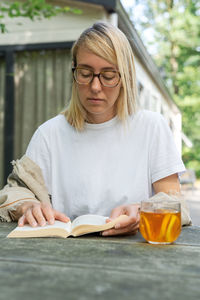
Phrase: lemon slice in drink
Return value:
(164, 226)
(173, 224)
(146, 227)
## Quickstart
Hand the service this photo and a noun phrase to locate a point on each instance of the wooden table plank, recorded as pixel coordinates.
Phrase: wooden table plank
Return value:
(93, 267)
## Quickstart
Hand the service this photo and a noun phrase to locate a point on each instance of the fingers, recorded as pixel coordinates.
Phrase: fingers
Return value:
(48, 213)
(127, 230)
(37, 214)
(127, 226)
(28, 218)
(126, 223)
(51, 214)
(40, 214)
(33, 216)
(22, 220)
(60, 216)
(129, 210)
(116, 212)
(119, 232)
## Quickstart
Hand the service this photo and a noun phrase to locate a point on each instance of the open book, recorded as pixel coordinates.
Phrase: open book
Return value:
(80, 226)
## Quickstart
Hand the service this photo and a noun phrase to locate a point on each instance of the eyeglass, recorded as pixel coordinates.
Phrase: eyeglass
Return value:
(86, 76)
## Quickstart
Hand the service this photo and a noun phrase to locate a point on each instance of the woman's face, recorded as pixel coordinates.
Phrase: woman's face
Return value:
(99, 101)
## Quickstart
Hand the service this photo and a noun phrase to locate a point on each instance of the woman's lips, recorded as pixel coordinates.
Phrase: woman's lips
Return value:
(95, 100)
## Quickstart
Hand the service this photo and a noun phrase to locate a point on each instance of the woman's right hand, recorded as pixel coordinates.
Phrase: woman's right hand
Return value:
(34, 214)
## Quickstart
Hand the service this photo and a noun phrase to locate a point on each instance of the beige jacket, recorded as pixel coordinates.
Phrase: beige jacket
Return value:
(26, 183)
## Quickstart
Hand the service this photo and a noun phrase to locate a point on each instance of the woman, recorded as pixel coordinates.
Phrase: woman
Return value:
(101, 155)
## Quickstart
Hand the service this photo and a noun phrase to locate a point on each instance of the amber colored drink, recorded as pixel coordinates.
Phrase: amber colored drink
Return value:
(161, 226)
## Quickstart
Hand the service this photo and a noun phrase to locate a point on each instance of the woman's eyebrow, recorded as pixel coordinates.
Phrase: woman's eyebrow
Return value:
(85, 66)
(103, 69)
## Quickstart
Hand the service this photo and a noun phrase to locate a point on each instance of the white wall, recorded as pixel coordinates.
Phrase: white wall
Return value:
(152, 99)
(64, 27)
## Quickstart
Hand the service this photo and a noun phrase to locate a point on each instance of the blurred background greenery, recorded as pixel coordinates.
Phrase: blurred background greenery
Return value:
(170, 30)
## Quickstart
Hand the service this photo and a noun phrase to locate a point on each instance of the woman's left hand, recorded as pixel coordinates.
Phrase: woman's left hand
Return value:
(130, 226)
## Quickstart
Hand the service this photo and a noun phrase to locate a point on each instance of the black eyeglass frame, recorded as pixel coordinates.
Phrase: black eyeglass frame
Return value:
(95, 75)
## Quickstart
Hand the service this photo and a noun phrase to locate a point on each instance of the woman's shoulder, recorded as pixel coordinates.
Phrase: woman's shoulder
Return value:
(146, 116)
(54, 123)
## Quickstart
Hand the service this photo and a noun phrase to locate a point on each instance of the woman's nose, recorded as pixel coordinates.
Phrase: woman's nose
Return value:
(96, 84)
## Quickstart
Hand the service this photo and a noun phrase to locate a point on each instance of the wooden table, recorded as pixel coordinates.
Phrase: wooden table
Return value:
(94, 267)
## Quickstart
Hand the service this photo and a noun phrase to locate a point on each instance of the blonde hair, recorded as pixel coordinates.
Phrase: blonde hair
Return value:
(111, 44)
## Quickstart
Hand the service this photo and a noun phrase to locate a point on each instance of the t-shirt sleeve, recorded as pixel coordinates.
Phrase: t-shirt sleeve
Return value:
(38, 151)
(164, 157)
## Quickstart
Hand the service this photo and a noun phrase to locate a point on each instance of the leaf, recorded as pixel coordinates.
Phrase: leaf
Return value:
(33, 9)
(3, 28)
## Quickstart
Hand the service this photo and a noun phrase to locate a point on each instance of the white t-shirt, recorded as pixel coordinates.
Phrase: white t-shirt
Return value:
(106, 164)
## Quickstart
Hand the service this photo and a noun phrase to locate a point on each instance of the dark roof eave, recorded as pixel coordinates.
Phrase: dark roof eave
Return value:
(109, 5)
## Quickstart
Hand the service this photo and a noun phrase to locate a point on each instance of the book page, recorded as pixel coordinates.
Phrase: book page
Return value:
(89, 220)
(57, 224)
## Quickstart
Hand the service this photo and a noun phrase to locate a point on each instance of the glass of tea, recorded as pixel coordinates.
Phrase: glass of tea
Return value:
(160, 221)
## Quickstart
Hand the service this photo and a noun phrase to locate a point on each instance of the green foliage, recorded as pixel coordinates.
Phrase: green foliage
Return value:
(190, 106)
(3, 28)
(32, 9)
(176, 39)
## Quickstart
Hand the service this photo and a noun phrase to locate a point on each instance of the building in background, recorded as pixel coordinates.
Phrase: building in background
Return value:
(35, 73)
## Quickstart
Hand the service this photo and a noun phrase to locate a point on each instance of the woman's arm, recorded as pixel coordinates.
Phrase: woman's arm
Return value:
(167, 184)
(131, 226)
